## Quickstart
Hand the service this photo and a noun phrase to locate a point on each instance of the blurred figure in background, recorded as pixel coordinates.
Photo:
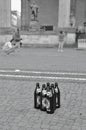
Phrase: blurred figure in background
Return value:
(61, 41)
(16, 39)
(8, 48)
(14, 43)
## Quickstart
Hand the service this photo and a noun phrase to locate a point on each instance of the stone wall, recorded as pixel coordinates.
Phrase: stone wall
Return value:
(40, 40)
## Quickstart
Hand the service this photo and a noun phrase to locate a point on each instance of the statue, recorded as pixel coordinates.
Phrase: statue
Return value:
(34, 11)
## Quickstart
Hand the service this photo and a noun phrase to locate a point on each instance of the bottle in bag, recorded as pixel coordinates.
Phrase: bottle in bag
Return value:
(54, 96)
(57, 92)
(37, 96)
(48, 84)
(43, 98)
(49, 100)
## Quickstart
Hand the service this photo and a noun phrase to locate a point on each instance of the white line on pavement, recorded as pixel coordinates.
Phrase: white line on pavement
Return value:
(42, 77)
(43, 72)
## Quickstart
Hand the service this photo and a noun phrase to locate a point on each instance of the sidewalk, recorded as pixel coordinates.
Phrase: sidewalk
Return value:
(17, 111)
(45, 59)
(16, 96)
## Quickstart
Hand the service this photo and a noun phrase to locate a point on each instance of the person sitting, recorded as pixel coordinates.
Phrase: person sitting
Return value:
(14, 43)
(16, 39)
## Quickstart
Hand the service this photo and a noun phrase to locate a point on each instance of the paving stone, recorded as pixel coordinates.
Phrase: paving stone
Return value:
(17, 111)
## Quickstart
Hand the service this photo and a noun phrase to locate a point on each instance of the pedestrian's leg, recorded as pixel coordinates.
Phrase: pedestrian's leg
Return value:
(62, 46)
(59, 46)
(19, 44)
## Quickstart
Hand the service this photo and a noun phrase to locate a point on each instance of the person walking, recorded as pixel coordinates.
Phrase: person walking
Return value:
(61, 41)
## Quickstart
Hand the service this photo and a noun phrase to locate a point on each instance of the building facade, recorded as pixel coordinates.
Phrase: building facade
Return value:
(58, 13)
(5, 13)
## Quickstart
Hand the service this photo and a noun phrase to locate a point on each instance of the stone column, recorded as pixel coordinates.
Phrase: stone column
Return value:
(64, 13)
(80, 12)
(5, 13)
(25, 14)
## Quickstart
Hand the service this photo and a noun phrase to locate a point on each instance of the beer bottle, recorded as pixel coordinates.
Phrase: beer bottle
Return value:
(37, 94)
(49, 100)
(48, 84)
(54, 96)
(43, 98)
(57, 92)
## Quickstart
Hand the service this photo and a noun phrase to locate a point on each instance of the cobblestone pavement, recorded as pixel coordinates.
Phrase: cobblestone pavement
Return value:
(16, 96)
(17, 111)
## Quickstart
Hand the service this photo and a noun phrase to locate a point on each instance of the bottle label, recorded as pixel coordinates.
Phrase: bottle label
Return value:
(47, 104)
(44, 92)
(38, 91)
(44, 102)
(56, 90)
(56, 100)
(38, 100)
(49, 94)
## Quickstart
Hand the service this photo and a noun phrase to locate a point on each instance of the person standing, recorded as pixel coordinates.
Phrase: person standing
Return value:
(78, 33)
(61, 41)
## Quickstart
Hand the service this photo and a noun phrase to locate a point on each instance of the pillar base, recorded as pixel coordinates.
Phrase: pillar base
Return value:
(34, 26)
